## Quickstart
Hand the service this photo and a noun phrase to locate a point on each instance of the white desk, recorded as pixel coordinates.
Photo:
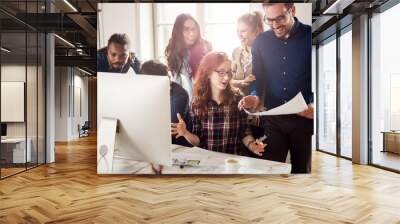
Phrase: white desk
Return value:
(210, 163)
(19, 149)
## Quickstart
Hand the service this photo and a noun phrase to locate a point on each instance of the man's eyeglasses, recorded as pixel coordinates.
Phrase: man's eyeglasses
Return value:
(222, 73)
(278, 20)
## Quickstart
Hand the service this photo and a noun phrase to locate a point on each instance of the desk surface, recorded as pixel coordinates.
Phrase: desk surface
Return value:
(13, 140)
(390, 132)
(210, 163)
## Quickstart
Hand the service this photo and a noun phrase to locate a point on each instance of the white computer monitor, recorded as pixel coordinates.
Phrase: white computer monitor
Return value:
(141, 103)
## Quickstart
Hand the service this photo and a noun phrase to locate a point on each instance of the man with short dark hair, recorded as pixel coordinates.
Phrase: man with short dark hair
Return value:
(116, 56)
(282, 67)
(179, 98)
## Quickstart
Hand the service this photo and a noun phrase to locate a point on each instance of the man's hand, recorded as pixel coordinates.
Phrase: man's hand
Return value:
(249, 102)
(157, 169)
(257, 147)
(309, 112)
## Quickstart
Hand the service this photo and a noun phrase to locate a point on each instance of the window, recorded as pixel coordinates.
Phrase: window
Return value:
(327, 96)
(216, 27)
(394, 102)
(346, 93)
(166, 14)
(221, 27)
(385, 86)
(22, 76)
(334, 106)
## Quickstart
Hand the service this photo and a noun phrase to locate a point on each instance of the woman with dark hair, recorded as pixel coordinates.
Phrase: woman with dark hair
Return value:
(216, 122)
(184, 51)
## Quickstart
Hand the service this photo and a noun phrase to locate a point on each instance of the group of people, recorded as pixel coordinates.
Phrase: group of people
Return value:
(209, 89)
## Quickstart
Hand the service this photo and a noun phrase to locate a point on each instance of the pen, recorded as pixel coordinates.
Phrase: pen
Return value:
(262, 138)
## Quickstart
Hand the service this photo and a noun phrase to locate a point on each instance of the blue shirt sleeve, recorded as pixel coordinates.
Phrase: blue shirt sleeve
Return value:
(257, 87)
(311, 98)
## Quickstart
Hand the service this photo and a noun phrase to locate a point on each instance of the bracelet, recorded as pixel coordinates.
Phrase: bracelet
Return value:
(248, 144)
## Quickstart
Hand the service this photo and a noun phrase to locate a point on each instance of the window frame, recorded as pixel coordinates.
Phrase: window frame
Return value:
(333, 37)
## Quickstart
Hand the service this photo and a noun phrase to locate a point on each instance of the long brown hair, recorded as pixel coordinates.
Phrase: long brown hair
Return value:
(176, 48)
(202, 86)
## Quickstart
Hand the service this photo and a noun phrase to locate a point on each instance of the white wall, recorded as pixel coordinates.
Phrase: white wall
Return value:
(117, 18)
(61, 103)
(304, 12)
(69, 82)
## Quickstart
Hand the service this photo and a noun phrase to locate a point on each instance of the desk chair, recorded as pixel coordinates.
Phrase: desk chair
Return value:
(84, 130)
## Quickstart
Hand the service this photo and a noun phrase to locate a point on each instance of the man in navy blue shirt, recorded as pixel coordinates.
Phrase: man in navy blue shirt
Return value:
(282, 67)
(116, 56)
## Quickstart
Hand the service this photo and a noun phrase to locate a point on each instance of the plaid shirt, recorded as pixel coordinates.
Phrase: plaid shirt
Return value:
(223, 129)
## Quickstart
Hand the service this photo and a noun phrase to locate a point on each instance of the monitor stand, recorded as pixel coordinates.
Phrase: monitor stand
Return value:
(106, 144)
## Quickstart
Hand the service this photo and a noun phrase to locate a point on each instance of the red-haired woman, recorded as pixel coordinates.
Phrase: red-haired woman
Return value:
(184, 51)
(216, 122)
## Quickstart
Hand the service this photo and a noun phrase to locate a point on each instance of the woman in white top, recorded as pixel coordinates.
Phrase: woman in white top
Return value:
(248, 27)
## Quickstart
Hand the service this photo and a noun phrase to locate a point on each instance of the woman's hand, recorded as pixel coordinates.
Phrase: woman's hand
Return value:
(250, 78)
(179, 129)
(243, 83)
(247, 81)
(257, 147)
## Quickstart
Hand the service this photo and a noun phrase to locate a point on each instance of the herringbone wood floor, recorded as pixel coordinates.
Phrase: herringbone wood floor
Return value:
(70, 191)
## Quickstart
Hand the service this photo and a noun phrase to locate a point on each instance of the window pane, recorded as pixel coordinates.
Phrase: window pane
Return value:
(327, 97)
(213, 12)
(41, 99)
(385, 88)
(167, 13)
(226, 42)
(394, 102)
(13, 86)
(164, 32)
(31, 100)
(346, 94)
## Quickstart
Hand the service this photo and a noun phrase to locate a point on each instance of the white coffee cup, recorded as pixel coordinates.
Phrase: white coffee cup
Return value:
(232, 165)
